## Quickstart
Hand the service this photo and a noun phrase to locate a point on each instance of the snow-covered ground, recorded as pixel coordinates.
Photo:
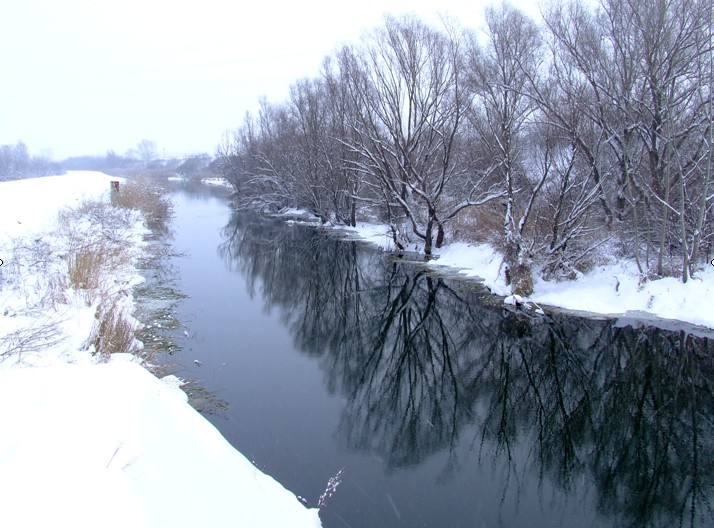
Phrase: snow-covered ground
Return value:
(221, 182)
(611, 289)
(91, 442)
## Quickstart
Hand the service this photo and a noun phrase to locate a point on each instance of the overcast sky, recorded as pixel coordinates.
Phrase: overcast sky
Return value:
(85, 76)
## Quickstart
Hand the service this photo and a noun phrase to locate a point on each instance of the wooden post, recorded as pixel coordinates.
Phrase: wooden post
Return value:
(114, 190)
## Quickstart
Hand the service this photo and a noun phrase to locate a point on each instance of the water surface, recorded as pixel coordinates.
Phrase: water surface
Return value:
(443, 409)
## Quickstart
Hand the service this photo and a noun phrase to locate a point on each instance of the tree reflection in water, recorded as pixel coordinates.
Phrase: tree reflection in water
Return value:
(626, 411)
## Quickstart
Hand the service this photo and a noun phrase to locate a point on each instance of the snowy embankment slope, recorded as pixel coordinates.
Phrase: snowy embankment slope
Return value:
(612, 289)
(111, 445)
(84, 443)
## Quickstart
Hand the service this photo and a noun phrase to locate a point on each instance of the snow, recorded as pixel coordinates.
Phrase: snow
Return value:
(612, 289)
(35, 296)
(91, 443)
(110, 445)
(376, 234)
(221, 182)
(31, 206)
(477, 261)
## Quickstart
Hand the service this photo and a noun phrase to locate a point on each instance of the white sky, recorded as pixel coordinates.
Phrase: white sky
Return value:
(85, 76)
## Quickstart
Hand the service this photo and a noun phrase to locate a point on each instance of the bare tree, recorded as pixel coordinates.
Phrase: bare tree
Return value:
(675, 40)
(648, 70)
(502, 73)
(607, 136)
(14, 160)
(347, 183)
(573, 212)
(147, 151)
(407, 87)
(316, 174)
(568, 226)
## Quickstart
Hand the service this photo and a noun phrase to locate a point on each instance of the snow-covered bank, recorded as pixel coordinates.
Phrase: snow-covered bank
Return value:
(611, 289)
(85, 443)
(31, 206)
(110, 445)
(220, 182)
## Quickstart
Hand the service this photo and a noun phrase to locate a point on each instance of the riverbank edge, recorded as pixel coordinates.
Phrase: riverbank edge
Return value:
(154, 325)
(157, 324)
(77, 363)
(612, 290)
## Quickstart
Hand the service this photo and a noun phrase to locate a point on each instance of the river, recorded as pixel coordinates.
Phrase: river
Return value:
(442, 408)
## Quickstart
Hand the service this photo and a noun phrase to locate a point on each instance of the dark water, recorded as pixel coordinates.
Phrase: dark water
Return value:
(443, 410)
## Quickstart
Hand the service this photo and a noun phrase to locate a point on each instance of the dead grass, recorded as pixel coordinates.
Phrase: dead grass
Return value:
(478, 224)
(32, 273)
(92, 221)
(89, 263)
(98, 244)
(93, 247)
(144, 195)
(85, 268)
(114, 330)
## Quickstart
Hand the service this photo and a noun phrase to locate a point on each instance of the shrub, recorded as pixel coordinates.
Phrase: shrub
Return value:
(145, 196)
(42, 334)
(90, 253)
(478, 224)
(114, 330)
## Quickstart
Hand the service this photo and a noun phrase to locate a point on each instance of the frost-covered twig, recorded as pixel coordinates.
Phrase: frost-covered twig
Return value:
(30, 339)
(330, 489)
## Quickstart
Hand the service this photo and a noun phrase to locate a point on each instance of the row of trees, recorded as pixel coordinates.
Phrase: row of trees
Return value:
(144, 156)
(590, 127)
(16, 162)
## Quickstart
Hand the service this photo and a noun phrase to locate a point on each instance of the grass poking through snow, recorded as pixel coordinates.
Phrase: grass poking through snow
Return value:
(88, 259)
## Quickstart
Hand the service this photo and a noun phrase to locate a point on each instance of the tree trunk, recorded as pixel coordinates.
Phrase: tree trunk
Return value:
(428, 236)
(439, 235)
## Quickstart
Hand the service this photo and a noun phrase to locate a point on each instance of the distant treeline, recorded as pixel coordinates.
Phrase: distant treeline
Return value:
(184, 166)
(110, 160)
(590, 129)
(16, 163)
(187, 167)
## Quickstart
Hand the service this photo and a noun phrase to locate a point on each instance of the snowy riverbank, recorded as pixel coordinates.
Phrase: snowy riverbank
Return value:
(612, 289)
(92, 443)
